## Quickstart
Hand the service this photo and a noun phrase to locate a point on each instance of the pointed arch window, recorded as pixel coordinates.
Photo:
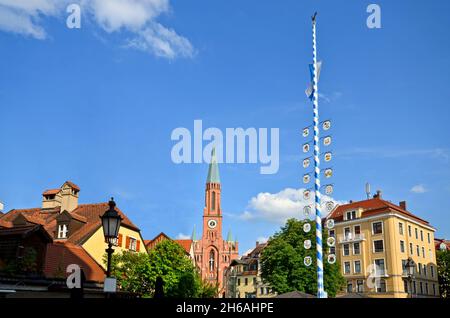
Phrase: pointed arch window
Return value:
(213, 201)
(212, 260)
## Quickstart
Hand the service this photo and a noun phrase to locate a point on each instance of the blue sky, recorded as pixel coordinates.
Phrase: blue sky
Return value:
(97, 105)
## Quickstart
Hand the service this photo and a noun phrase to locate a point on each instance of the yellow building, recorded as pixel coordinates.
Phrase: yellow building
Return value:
(243, 277)
(75, 226)
(374, 241)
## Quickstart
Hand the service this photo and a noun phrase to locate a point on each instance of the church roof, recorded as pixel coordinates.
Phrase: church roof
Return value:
(213, 171)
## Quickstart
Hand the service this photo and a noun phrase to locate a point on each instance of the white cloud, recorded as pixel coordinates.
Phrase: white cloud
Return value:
(136, 19)
(262, 239)
(420, 188)
(278, 207)
(182, 236)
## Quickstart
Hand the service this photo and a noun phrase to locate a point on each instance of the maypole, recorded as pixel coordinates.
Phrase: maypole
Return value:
(320, 286)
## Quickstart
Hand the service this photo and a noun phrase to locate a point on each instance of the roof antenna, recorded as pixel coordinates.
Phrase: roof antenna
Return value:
(368, 190)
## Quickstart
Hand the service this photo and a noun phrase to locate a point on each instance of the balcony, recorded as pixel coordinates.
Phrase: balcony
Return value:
(350, 237)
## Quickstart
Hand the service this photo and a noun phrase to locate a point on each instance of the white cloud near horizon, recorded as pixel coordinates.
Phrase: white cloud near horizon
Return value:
(419, 189)
(182, 236)
(281, 206)
(135, 18)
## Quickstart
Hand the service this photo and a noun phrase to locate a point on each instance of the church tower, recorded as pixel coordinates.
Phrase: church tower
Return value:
(212, 253)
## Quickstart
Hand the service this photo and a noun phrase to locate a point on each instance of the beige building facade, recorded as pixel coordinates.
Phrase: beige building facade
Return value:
(374, 240)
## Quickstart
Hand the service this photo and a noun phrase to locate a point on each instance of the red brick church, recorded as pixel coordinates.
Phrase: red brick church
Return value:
(212, 253)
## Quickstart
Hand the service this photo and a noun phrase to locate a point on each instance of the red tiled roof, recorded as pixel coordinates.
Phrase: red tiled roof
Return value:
(186, 244)
(88, 213)
(371, 207)
(6, 224)
(60, 255)
(72, 185)
(51, 191)
(438, 242)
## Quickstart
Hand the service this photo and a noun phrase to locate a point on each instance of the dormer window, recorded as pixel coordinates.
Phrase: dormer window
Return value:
(62, 231)
(350, 215)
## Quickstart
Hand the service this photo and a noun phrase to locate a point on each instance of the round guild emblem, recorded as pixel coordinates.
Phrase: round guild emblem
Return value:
(326, 125)
(330, 224)
(327, 141)
(307, 244)
(306, 227)
(329, 205)
(307, 211)
(306, 194)
(331, 241)
(306, 132)
(306, 163)
(329, 189)
(305, 148)
(328, 173)
(306, 178)
(327, 156)
(331, 259)
(307, 261)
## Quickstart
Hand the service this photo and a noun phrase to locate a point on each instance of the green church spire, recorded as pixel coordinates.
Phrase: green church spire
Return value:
(229, 238)
(213, 171)
(194, 234)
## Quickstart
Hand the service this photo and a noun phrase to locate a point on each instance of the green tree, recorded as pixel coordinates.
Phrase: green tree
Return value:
(282, 262)
(137, 272)
(443, 269)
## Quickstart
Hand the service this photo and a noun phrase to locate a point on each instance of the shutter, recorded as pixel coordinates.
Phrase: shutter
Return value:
(138, 245)
(119, 240)
(127, 242)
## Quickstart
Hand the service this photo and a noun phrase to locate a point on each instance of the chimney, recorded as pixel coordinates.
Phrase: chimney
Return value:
(257, 243)
(69, 196)
(403, 205)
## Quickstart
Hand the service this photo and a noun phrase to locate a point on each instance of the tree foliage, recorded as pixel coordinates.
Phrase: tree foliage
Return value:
(282, 262)
(137, 272)
(443, 269)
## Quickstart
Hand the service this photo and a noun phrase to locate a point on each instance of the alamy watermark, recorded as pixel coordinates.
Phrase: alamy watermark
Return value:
(236, 145)
(374, 19)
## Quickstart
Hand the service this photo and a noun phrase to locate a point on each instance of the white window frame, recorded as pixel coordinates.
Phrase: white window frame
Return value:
(62, 231)
(385, 287)
(350, 268)
(353, 247)
(373, 246)
(350, 231)
(135, 244)
(360, 266)
(354, 232)
(343, 249)
(384, 262)
(400, 225)
(382, 227)
(404, 248)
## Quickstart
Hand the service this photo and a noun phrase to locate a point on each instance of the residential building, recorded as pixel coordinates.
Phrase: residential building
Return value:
(374, 240)
(63, 232)
(243, 277)
(186, 244)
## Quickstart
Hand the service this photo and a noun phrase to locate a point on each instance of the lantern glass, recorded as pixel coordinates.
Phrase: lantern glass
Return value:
(111, 223)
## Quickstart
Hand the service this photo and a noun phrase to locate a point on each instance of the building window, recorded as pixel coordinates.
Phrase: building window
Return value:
(357, 267)
(246, 282)
(421, 288)
(132, 244)
(409, 230)
(411, 250)
(351, 215)
(262, 290)
(332, 250)
(349, 288)
(423, 252)
(360, 286)
(213, 201)
(331, 233)
(400, 228)
(378, 246)
(421, 235)
(379, 266)
(434, 289)
(430, 253)
(239, 282)
(425, 270)
(346, 250)
(212, 260)
(402, 246)
(377, 228)
(346, 267)
(432, 271)
(420, 268)
(62, 231)
(414, 288)
(347, 233)
(417, 233)
(356, 249)
(381, 288)
(429, 239)
(404, 271)
(405, 285)
(254, 280)
(418, 250)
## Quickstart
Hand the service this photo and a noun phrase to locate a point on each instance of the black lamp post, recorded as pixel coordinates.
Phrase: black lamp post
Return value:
(111, 223)
(410, 267)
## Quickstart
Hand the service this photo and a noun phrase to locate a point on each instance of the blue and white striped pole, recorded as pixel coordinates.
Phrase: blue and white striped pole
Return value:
(320, 286)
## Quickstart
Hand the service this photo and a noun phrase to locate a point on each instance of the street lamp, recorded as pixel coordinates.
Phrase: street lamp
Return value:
(410, 267)
(111, 223)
